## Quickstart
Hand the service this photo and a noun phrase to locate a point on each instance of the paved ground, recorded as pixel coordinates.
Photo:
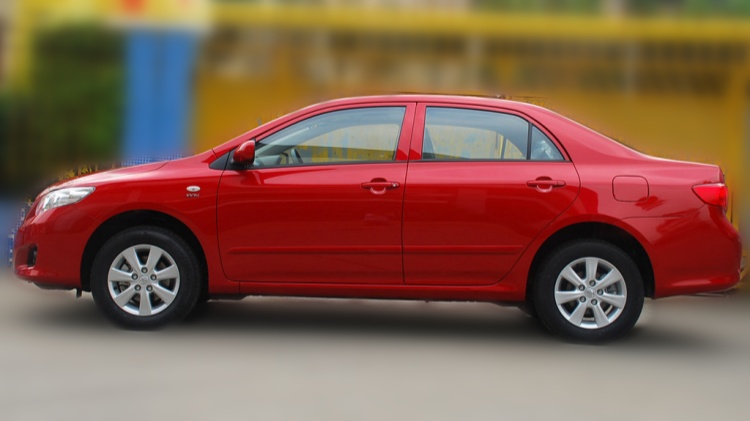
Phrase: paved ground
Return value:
(292, 359)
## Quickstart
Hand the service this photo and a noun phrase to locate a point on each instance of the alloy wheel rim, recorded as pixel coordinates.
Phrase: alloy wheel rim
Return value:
(143, 280)
(590, 293)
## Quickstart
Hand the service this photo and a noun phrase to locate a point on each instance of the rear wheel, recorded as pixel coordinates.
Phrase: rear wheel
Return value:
(145, 277)
(588, 291)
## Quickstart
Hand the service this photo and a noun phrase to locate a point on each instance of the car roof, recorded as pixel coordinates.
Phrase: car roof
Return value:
(433, 98)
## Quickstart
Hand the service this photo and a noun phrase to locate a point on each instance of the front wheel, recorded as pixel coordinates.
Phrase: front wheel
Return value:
(588, 291)
(145, 277)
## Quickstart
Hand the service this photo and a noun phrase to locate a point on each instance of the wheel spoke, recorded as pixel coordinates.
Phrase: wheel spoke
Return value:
(169, 273)
(154, 255)
(562, 297)
(156, 284)
(610, 279)
(591, 265)
(577, 316)
(599, 284)
(615, 300)
(599, 316)
(571, 276)
(117, 275)
(166, 295)
(132, 258)
(145, 307)
(124, 297)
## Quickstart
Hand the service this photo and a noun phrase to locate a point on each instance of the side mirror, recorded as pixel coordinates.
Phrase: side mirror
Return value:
(245, 153)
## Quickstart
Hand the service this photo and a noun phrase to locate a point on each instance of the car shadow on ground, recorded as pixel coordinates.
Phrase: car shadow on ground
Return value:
(347, 317)
(369, 318)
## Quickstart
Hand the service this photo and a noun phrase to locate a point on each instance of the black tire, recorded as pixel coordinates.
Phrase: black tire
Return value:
(562, 318)
(184, 288)
(528, 309)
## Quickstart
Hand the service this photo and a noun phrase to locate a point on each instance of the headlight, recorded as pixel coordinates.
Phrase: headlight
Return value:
(62, 197)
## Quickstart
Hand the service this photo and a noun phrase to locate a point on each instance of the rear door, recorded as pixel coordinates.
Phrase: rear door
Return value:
(481, 185)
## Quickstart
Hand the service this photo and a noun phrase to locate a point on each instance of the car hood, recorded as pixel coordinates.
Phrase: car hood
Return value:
(106, 176)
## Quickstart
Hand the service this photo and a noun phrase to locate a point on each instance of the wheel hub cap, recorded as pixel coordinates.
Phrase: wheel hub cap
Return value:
(143, 280)
(590, 293)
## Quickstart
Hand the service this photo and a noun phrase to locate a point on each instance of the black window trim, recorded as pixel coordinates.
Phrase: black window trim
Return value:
(225, 163)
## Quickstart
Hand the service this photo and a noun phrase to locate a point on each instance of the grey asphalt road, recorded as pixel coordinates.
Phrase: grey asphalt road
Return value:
(300, 359)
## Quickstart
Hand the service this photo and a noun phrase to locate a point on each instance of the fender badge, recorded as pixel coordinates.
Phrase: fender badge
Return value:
(193, 191)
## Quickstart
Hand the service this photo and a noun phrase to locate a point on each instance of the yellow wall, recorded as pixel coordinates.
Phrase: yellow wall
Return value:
(275, 68)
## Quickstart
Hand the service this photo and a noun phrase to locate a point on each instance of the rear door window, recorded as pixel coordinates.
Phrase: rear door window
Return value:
(468, 134)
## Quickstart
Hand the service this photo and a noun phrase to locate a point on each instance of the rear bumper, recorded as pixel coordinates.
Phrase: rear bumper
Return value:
(698, 253)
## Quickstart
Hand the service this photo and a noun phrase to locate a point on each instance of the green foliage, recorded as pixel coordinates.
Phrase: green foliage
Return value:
(78, 83)
(72, 112)
(13, 140)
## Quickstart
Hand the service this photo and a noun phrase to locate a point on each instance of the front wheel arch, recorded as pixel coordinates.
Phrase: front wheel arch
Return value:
(145, 277)
(123, 221)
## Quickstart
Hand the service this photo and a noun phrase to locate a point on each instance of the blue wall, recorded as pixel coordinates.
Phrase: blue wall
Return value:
(159, 96)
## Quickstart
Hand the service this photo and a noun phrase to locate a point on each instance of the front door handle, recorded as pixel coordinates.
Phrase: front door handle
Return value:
(380, 185)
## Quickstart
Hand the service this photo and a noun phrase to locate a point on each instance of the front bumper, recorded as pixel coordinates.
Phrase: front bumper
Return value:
(48, 248)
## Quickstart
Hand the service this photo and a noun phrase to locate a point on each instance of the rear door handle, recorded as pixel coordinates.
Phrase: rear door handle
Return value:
(380, 185)
(545, 183)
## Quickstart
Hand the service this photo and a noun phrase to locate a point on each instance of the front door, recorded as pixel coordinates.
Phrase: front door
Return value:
(322, 203)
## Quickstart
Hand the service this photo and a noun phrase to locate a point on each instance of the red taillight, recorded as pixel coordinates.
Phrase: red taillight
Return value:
(712, 194)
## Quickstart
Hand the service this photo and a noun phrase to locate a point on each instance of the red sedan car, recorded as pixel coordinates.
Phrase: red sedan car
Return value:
(401, 197)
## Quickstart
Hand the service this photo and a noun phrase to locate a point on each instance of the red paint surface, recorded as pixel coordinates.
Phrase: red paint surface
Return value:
(457, 230)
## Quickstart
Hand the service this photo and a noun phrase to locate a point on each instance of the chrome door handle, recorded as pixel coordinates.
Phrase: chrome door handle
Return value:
(545, 184)
(379, 186)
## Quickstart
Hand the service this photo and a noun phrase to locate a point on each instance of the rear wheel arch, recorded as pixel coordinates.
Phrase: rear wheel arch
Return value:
(609, 233)
(588, 290)
(130, 219)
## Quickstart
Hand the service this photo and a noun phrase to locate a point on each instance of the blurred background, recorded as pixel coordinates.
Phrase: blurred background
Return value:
(87, 85)
(92, 84)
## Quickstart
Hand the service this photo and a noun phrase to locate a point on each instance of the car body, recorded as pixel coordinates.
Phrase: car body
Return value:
(399, 197)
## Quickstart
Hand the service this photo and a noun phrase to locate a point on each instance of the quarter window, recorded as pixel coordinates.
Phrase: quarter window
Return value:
(357, 135)
(464, 134)
(542, 148)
